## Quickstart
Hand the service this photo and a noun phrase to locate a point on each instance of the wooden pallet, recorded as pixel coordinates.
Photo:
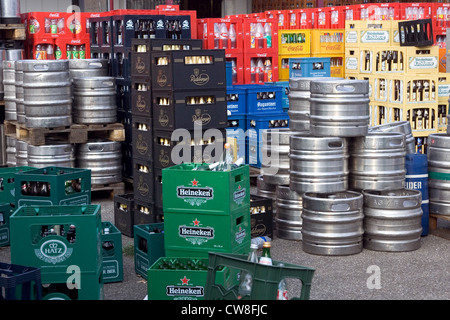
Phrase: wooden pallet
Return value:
(12, 32)
(113, 188)
(76, 133)
(433, 228)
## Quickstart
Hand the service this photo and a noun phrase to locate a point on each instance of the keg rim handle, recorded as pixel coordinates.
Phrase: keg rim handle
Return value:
(345, 88)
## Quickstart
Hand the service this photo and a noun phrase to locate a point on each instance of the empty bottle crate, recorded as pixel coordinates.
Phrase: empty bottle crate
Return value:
(7, 186)
(124, 213)
(148, 246)
(112, 253)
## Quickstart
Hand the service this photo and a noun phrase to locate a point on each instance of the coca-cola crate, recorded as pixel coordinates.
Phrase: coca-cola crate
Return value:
(52, 186)
(5, 212)
(441, 15)
(261, 216)
(112, 266)
(141, 96)
(148, 246)
(218, 33)
(124, 213)
(142, 181)
(294, 42)
(257, 72)
(121, 63)
(321, 18)
(73, 48)
(141, 51)
(40, 48)
(142, 135)
(186, 109)
(47, 24)
(237, 67)
(416, 10)
(181, 24)
(330, 41)
(19, 282)
(200, 146)
(260, 35)
(128, 27)
(337, 17)
(376, 11)
(278, 15)
(100, 31)
(188, 70)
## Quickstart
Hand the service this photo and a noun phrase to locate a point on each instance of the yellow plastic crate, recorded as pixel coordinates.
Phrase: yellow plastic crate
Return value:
(336, 64)
(422, 59)
(418, 90)
(327, 41)
(293, 42)
(374, 33)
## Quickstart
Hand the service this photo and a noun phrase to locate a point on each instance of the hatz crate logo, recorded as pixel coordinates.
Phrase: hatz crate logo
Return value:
(53, 251)
(195, 233)
(195, 195)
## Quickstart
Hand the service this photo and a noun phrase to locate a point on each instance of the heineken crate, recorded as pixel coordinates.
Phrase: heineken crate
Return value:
(54, 237)
(182, 279)
(53, 186)
(5, 212)
(187, 189)
(124, 213)
(7, 186)
(261, 216)
(266, 278)
(201, 232)
(87, 286)
(148, 246)
(19, 282)
(112, 253)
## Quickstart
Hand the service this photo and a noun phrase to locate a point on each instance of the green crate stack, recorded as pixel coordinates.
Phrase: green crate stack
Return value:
(63, 186)
(148, 246)
(5, 212)
(7, 185)
(112, 253)
(43, 237)
(206, 210)
(182, 278)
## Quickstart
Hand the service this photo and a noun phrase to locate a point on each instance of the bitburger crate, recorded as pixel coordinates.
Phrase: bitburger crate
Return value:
(188, 70)
(53, 186)
(142, 137)
(124, 213)
(55, 237)
(143, 179)
(148, 246)
(111, 239)
(185, 109)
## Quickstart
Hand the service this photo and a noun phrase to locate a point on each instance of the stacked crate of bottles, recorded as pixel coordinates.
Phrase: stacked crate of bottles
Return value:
(237, 124)
(148, 246)
(56, 35)
(65, 243)
(404, 79)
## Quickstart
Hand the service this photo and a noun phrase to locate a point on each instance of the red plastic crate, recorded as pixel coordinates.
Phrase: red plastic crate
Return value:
(416, 10)
(254, 40)
(321, 18)
(47, 24)
(210, 31)
(304, 18)
(337, 17)
(280, 16)
(251, 72)
(441, 15)
(74, 47)
(37, 48)
(238, 63)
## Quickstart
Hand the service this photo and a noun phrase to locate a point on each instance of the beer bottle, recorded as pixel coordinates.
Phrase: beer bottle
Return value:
(266, 257)
(71, 234)
(246, 278)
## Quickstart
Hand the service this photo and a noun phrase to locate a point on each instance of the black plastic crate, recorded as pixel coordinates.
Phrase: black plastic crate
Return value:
(416, 33)
(158, 188)
(100, 32)
(125, 117)
(185, 109)
(143, 180)
(142, 133)
(178, 27)
(144, 212)
(121, 63)
(103, 53)
(20, 282)
(188, 70)
(261, 216)
(141, 96)
(125, 28)
(123, 94)
(127, 160)
(124, 213)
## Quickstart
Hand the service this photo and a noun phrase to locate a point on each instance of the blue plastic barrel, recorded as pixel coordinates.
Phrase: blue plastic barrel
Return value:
(417, 179)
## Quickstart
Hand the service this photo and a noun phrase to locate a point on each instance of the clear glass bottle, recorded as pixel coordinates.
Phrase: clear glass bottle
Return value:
(246, 279)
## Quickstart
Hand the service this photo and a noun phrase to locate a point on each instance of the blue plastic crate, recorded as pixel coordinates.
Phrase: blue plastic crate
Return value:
(236, 100)
(285, 95)
(237, 129)
(255, 127)
(264, 99)
(20, 282)
(309, 67)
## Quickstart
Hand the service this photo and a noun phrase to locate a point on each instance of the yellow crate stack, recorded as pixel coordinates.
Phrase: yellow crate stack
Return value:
(405, 82)
(292, 43)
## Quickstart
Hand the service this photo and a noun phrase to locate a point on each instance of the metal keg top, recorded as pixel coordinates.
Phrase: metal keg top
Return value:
(45, 65)
(439, 140)
(303, 83)
(298, 142)
(393, 199)
(88, 63)
(337, 202)
(398, 126)
(339, 86)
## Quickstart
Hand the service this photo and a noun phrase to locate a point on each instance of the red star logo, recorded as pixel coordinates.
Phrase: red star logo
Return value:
(239, 188)
(185, 281)
(194, 183)
(196, 222)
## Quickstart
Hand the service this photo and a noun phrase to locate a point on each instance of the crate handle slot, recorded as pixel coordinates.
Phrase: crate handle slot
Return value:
(238, 178)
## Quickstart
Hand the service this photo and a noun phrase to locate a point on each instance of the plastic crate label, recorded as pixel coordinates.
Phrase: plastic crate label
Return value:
(195, 195)
(53, 251)
(423, 62)
(195, 233)
(379, 36)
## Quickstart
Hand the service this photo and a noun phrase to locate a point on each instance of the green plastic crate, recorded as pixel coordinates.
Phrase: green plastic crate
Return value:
(215, 192)
(5, 212)
(148, 246)
(34, 244)
(185, 281)
(265, 277)
(76, 192)
(112, 253)
(7, 185)
(201, 232)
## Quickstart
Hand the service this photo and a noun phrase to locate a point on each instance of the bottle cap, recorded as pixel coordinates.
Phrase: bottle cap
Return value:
(266, 244)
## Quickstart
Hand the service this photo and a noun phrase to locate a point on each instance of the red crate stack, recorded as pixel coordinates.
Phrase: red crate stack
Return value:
(260, 35)
(304, 18)
(220, 33)
(47, 24)
(77, 48)
(191, 13)
(40, 48)
(260, 68)
(416, 10)
(237, 65)
(321, 18)
(441, 18)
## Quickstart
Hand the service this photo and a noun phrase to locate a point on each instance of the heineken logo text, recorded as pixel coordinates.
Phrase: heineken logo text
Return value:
(184, 192)
(184, 291)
